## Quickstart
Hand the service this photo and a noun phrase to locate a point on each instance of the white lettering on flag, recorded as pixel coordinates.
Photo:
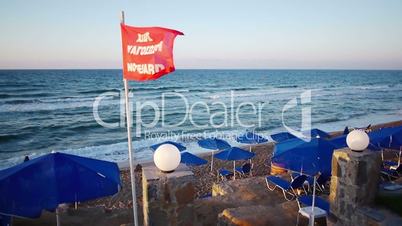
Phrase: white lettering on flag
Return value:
(149, 69)
(144, 50)
(144, 37)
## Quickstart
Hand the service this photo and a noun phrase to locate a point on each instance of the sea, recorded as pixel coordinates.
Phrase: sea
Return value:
(81, 112)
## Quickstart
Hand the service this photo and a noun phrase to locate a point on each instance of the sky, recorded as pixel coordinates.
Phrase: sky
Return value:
(219, 34)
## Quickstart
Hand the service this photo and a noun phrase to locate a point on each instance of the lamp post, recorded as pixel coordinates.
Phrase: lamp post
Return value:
(167, 158)
(357, 140)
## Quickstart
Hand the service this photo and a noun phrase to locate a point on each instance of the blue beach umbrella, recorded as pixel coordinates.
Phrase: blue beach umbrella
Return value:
(47, 181)
(251, 138)
(339, 141)
(307, 157)
(5, 220)
(316, 133)
(394, 141)
(279, 137)
(213, 144)
(192, 160)
(233, 154)
(390, 138)
(178, 145)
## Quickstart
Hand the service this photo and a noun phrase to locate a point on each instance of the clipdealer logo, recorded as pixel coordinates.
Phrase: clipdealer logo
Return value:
(229, 114)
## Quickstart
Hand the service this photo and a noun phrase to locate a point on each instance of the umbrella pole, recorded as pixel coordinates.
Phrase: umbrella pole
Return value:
(130, 157)
(57, 217)
(399, 157)
(311, 223)
(76, 203)
(251, 164)
(234, 170)
(250, 151)
(212, 160)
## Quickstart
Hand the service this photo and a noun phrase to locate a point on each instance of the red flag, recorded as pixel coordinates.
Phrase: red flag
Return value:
(147, 52)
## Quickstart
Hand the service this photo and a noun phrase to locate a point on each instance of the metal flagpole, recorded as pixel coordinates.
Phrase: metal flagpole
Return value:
(130, 156)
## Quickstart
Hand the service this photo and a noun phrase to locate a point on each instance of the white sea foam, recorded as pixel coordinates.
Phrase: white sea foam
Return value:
(49, 105)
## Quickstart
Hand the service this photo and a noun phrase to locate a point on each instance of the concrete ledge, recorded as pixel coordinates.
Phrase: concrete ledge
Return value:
(151, 172)
(261, 215)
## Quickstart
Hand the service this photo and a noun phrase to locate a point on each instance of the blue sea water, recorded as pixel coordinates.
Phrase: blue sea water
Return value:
(52, 110)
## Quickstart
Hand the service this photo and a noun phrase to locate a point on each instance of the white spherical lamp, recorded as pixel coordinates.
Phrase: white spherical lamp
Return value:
(357, 140)
(167, 157)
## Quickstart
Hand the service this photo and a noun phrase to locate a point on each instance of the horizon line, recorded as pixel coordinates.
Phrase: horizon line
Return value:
(239, 69)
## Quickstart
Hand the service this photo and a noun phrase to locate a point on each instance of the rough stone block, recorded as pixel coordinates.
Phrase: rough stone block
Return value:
(354, 184)
(167, 197)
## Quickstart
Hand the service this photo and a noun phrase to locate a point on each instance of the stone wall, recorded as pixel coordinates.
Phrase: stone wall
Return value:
(354, 184)
(168, 197)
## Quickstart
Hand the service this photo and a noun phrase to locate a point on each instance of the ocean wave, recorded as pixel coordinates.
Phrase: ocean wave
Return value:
(370, 87)
(242, 88)
(26, 95)
(258, 94)
(26, 88)
(286, 86)
(73, 99)
(55, 105)
(99, 91)
(82, 127)
(21, 101)
(181, 90)
(157, 88)
(327, 120)
(4, 95)
(10, 137)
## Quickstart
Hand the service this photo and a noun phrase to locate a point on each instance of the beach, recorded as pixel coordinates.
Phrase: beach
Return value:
(117, 210)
